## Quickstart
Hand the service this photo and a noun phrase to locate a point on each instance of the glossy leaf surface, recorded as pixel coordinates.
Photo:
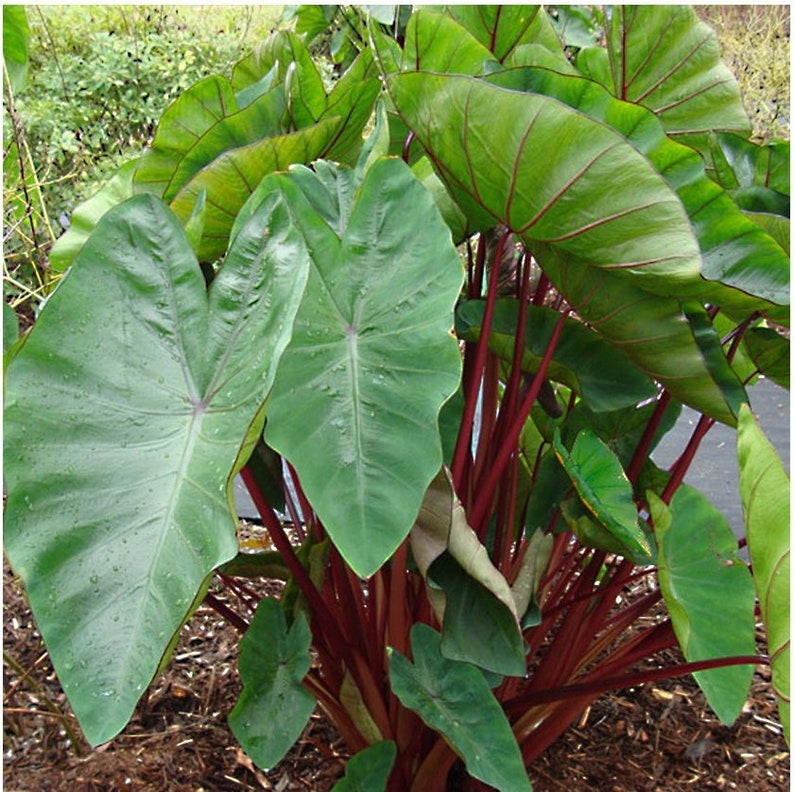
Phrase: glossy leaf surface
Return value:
(709, 594)
(274, 707)
(124, 417)
(455, 699)
(371, 358)
(604, 489)
(766, 490)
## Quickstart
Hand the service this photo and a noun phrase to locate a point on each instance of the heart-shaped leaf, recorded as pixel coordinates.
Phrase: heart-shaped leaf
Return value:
(709, 594)
(766, 491)
(371, 356)
(626, 236)
(455, 699)
(125, 411)
(274, 707)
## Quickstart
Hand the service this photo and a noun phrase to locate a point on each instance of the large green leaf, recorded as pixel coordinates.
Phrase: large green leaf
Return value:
(198, 127)
(663, 57)
(486, 141)
(125, 410)
(581, 360)
(455, 699)
(709, 594)
(734, 249)
(371, 358)
(603, 223)
(602, 485)
(766, 491)
(274, 707)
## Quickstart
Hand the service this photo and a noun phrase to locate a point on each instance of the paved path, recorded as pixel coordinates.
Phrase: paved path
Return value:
(713, 470)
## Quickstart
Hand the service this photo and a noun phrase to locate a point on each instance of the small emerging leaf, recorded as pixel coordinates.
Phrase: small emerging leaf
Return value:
(603, 487)
(274, 707)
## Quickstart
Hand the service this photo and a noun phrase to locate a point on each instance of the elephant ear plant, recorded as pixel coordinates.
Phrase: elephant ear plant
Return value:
(440, 357)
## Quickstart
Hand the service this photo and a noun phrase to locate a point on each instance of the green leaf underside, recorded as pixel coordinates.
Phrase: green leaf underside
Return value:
(478, 628)
(666, 59)
(504, 29)
(629, 229)
(603, 487)
(140, 399)
(736, 253)
(455, 699)
(371, 358)
(581, 360)
(274, 707)
(232, 177)
(368, 770)
(765, 489)
(448, 552)
(709, 594)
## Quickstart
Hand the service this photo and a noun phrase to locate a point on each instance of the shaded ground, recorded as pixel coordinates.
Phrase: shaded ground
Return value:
(660, 737)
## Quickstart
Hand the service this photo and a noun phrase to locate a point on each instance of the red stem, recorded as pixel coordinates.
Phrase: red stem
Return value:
(510, 443)
(475, 375)
(644, 446)
(681, 465)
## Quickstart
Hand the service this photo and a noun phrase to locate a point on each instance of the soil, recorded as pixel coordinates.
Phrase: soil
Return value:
(656, 737)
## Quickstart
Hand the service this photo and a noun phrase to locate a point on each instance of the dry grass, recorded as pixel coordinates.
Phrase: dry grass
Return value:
(757, 48)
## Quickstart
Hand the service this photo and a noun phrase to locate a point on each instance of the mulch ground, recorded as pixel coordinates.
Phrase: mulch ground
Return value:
(655, 737)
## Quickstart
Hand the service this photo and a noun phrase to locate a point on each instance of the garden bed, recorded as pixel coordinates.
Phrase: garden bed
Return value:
(656, 737)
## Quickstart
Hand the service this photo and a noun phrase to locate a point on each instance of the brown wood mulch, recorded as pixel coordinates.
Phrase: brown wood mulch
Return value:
(655, 737)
